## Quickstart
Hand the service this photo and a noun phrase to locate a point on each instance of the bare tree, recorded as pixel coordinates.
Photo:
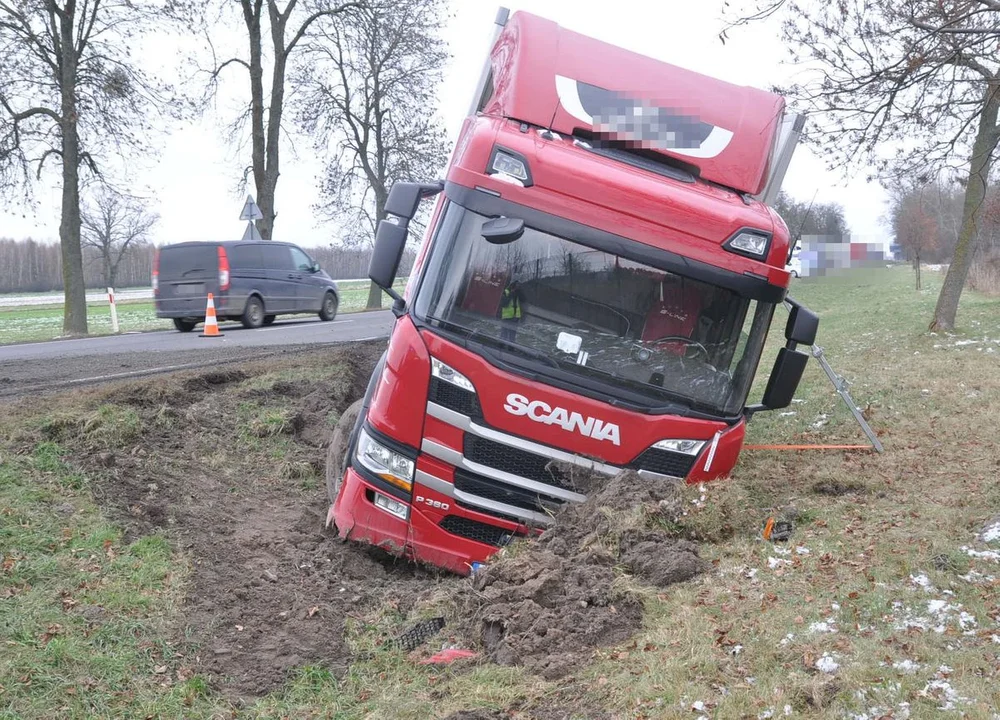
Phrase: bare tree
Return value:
(921, 76)
(287, 29)
(71, 91)
(370, 100)
(113, 225)
(914, 224)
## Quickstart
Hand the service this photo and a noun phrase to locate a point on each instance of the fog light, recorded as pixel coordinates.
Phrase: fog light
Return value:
(392, 506)
(687, 447)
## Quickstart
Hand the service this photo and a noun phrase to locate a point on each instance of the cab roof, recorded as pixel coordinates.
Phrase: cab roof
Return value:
(545, 75)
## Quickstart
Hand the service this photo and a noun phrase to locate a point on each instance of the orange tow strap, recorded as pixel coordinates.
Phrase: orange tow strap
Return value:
(807, 447)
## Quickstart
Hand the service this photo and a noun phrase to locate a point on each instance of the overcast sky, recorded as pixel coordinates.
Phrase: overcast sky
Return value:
(193, 180)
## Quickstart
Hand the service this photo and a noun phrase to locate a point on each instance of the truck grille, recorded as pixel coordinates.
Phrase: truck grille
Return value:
(665, 462)
(475, 530)
(514, 461)
(454, 398)
(502, 492)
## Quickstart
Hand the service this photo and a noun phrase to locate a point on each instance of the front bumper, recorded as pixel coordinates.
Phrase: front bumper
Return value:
(421, 539)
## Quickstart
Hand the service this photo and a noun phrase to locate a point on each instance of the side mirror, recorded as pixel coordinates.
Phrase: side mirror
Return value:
(390, 239)
(802, 324)
(314, 267)
(503, 230)
(404, 197)
(786, 374)
(784, 380)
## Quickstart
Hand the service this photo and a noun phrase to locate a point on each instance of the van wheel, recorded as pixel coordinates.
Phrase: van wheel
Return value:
(268, 319)
(253, 313)
(329, 309)
(184, 324)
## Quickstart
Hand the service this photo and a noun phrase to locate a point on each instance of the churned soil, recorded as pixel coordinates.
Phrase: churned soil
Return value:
(231, 469)
(547, 604)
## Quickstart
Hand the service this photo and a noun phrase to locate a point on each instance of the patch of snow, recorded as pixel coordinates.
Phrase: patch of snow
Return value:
(802, 550)
(825, 626)
(751, 573)
(923, 581)
(787, 639)
(698, 706)
(775, 563)
(827, 664)
(904, 711)
(966, 620)
(765, 715)
(787, 414)
(835, 606)
(778, 550)
(942, 691)
(907, 667)
(737, 649)
(983, 554)
(991, 533)
(787, 710)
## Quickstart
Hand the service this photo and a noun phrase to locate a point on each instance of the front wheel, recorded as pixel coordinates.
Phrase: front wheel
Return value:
(328, 311)
(184, 324)
(338, 455)
(253, 313)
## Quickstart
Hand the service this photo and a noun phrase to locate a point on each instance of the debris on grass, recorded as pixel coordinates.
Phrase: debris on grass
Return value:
(827, 664)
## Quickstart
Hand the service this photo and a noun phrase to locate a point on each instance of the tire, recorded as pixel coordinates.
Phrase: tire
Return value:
(184, 324)
(269, 319)
(328, 311)
(795, 273)
(253, 313)
(338, 455)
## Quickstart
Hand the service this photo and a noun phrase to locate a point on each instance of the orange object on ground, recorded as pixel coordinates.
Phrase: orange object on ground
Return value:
(211, 322)
(768, 527)
(448, 656)
(808, 447)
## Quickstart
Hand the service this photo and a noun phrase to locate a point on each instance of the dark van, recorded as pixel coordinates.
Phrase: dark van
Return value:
(251, 282)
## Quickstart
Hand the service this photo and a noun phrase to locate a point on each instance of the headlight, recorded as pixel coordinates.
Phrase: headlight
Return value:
(509, 166)
(686, 447)
(450, 375)
(749, 242)
(387, 464)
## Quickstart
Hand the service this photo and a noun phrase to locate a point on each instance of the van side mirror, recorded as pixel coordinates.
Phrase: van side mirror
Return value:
(390, 239)
(314, 267)
(404, 197)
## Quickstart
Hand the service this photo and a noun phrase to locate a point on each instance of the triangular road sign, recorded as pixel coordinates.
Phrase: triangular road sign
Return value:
(251, 233)
(251, 211)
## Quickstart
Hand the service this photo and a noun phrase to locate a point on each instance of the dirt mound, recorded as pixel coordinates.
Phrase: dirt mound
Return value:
(547, 604)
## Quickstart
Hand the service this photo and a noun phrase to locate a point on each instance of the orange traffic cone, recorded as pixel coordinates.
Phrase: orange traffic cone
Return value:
(211, 323)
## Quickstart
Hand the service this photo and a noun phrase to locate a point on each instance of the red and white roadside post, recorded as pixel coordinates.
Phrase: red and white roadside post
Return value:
(114, 310)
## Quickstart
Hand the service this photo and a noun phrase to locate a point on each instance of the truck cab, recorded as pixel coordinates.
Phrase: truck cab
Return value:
(593, 293)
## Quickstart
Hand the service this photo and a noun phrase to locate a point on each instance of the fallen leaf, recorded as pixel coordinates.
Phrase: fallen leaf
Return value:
(160, 669)
(313, 610)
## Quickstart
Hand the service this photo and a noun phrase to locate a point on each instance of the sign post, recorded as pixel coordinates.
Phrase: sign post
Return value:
(251, 213)
(114, 310)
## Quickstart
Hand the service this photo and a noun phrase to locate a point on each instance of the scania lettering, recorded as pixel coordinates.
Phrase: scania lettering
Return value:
(573, 422)
(598, 275)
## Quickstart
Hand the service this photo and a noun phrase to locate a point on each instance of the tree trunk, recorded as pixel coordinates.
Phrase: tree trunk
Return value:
(268, 183)
(375, 292)
(975, 194)
(75, 304)
(916, 268)
(109, 272)
(257, 140)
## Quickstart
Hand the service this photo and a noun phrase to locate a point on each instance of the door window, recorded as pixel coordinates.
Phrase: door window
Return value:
(277, 257)
(302, 261)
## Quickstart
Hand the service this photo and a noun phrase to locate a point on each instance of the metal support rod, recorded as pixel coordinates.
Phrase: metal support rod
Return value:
(840, 385)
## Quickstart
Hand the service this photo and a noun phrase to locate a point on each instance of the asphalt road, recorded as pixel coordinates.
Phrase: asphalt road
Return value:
(40, 367)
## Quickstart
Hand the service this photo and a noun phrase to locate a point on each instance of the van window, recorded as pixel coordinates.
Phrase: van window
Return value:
(188, 261)
(245, 257)
(302, 261)
(277, 257)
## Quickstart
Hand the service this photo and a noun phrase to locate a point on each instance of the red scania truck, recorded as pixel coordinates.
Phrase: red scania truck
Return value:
(594, 287)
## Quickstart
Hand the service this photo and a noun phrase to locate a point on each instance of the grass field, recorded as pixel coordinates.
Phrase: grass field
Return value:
(44, 322)
(884, 603)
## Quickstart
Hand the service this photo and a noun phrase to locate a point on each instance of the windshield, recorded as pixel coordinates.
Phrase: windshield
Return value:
(599, 316)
